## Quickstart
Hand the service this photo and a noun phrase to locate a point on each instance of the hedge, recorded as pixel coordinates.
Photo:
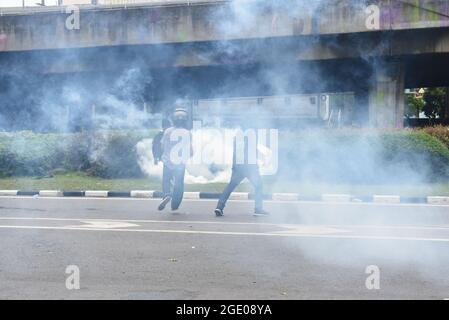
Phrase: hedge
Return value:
(363, 156)
(439, 132)
(29, 154)
(102, 154)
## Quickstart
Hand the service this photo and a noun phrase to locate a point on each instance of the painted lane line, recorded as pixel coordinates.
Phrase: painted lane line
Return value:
(425, 227)
(149, 221)
(304, 229)
(105, 224)
(445, 228)
(109, 224)
(285, 235)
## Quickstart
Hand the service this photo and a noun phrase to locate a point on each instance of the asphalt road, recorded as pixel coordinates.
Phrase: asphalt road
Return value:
(125, 249)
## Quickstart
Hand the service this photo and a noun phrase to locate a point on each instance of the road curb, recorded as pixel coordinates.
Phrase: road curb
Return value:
(287, 197)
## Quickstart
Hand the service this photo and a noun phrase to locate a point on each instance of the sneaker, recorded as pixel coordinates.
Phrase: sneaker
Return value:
(261, 213)
(219, 212)
(164, 202)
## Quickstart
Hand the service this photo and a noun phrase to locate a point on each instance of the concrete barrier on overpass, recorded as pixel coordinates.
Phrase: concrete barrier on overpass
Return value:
(198, 21)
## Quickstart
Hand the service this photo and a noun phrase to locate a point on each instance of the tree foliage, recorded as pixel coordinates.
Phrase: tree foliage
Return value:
(414, 105)
(435, 102)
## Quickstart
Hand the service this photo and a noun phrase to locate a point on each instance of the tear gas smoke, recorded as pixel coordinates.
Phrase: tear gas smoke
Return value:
(213, 156)
(42, 102)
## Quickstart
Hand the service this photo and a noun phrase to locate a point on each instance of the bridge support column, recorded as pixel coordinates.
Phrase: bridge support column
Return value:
(386, 96)
(446, 107)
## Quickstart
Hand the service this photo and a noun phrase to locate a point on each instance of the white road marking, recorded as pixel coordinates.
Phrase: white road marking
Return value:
(267, 234)
(218, 222)
(118, 224)
(305, 229)
(393, 227)
(221, 222)
(105, 224)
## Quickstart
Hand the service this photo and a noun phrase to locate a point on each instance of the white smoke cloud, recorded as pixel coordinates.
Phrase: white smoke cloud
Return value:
(212, 160)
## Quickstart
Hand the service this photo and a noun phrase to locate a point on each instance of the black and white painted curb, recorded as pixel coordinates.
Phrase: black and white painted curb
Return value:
(339, 198)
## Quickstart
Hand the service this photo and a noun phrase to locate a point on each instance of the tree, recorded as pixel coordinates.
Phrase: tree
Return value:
(435, 102)
(414, 105)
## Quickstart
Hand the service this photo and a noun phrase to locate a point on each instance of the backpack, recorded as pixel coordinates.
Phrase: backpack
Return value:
(157, 147)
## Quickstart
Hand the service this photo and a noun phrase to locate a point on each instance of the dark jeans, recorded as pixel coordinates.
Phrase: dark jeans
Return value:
(239, 173)
(177, 175)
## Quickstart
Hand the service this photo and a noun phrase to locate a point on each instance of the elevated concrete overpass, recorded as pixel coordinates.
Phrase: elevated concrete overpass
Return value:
(45, 28)
(379, 53)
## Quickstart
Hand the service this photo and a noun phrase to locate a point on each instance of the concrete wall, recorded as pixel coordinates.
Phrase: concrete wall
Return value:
(46, 28)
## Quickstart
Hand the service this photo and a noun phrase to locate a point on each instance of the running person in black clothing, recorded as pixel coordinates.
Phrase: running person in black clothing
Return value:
(244, 166)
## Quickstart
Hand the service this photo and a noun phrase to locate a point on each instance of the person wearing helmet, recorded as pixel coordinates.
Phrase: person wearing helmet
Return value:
(177, 149)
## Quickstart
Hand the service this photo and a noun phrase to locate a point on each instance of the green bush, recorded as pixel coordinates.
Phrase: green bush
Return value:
(104, 154)
(439, 132)
(314, 155)
(76, 152)
(7, 160)
(28, 154)
(363, 156)
(417, 152)
(114, 156)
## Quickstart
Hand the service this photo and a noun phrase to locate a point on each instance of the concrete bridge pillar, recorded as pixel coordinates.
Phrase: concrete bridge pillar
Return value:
(446, 107)
(386, 96)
